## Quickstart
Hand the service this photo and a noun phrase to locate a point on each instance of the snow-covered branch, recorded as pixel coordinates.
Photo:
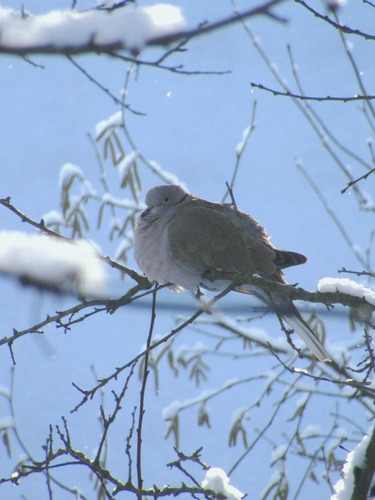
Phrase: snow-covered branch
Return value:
(330, 290)
(358, 470)
(101, 31)
(52, 263)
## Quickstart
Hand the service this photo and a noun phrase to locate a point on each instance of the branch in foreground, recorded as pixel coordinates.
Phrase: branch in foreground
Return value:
(358, 470)
(70, 32)
(363, 475)
(141, 280)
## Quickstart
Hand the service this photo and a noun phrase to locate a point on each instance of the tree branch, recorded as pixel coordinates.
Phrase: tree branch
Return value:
(295, 293)
(141, 280)
(313, 98)
(363, 475)
(91, 45)
(340, 27)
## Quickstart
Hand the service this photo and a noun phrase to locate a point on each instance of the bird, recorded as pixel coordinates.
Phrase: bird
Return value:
(180, 237)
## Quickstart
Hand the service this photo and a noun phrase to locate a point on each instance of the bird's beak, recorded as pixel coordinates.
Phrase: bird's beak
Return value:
(146, 212)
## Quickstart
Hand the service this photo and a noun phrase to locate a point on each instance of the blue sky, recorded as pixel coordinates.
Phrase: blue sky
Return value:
(191, 127)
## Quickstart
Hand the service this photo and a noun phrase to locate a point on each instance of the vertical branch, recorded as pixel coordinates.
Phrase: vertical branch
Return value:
(240, 149)
(142, 394)
(363, 475)
(108, 421)
(367, 103)
(333, 216)
(48, 450)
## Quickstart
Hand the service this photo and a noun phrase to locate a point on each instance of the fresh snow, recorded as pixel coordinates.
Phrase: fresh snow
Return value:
(129, 28)
(217, 481)
(301, 402)
(345, 285)
(114, 120)
(52, 263)
(6, 423)
(311, 430)
(126, 164)
(122, 248)
(53, 217)
(5, 392)
(68, 172)
(170, 411)
(239, 414)
(122, 202)
(257, 335)
(187, 350)
(278, 453)
(356, 458)
(245, 136)
(166, 176)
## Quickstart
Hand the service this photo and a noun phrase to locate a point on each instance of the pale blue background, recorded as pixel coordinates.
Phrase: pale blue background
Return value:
(193, 132)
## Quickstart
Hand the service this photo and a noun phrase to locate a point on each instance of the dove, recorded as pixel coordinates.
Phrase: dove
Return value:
(180, 237)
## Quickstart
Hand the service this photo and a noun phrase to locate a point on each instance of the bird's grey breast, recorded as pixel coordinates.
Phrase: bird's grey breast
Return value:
(152, 249)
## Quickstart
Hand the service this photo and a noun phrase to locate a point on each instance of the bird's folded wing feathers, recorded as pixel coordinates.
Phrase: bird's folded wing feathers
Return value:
(203, 239)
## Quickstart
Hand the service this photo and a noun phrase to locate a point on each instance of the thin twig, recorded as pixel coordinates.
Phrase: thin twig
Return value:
(240, 150)
(340, 27)
(352, 183)
(302, 97)
(143, 393)
(333, 216)
(89, 394)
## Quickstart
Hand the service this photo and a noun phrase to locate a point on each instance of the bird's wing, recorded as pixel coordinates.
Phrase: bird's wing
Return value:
(201, 238)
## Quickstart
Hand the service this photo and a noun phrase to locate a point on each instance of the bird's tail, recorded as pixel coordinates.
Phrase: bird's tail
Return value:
(286, 310)
(289, 313)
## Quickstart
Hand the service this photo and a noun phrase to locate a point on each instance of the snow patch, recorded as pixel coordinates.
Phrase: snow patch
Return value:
(115, 120)
(345, 285)
(68, 172)
(356, 458)
(245, 136)
(129, 28)
(52, 263)
(278, 453)
(310, 431)
(7, 423)
(217, 481)
(126, 164)
(53, 217)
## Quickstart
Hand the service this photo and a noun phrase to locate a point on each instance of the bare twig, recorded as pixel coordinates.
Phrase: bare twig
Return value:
(352, 183)
(108, 421)
(240, 150)
(340, 27)
(302, 97)
(333, 216)
(89, 394)
(143, 393)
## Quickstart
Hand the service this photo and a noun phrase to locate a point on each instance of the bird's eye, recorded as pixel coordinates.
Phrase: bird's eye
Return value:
(166, 199)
